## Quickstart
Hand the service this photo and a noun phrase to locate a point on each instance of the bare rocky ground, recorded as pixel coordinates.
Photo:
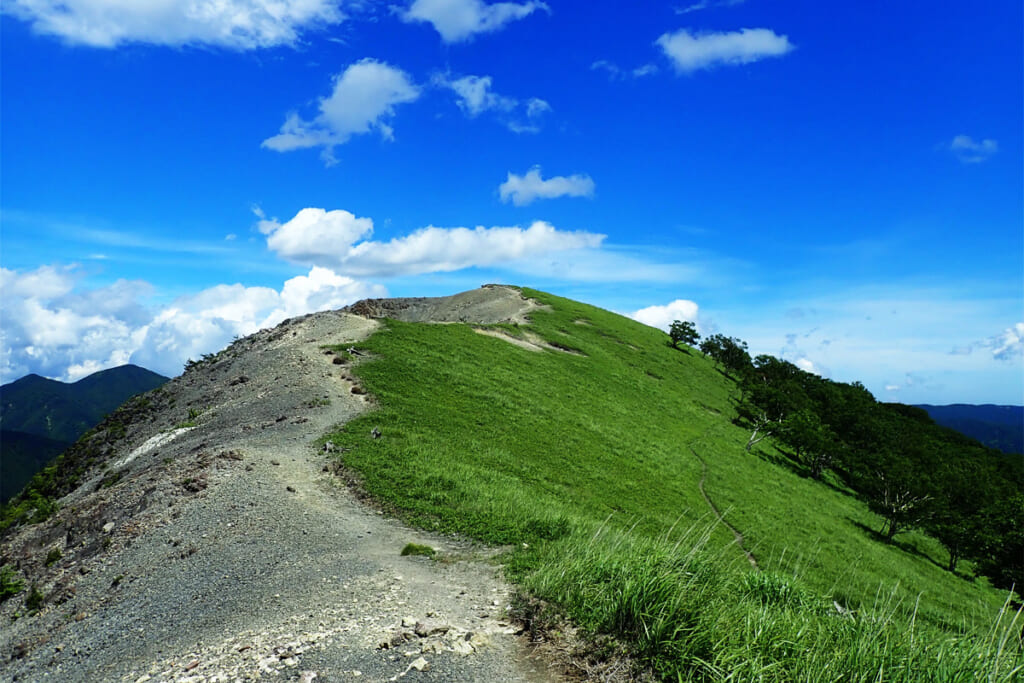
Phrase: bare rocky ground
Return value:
(212, 544)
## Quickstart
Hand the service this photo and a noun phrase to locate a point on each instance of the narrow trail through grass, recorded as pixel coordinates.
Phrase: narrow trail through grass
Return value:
(718, 515)
(578, 463)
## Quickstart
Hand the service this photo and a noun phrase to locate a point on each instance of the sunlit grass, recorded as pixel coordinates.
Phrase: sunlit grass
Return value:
(515, 447)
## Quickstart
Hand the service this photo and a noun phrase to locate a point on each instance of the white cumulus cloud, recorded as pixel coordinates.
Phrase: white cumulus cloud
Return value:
(57, 326)
(524, 189)
(234, 24)
(807, 365)
(971, 151)
(663, 316)
(315, 232)
(363, 99)
(690, 51)
(459, 20)
(330, 239)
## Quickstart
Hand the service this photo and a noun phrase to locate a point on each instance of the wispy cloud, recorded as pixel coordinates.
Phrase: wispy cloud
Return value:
(971, 151)
(708, 4)
(475, 96)
(363, 99)
(525, 189)
(84, 232)
(617, 73)
(886, 334)
(460, 20)
(692, 51)
(1005, 346)
(233, 24)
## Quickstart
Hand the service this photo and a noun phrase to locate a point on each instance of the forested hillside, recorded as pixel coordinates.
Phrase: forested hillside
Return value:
(41, 417)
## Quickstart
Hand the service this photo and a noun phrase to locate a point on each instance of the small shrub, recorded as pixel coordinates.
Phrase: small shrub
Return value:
(53, 556)
(417, 549)
(10, 583)
(35, 599)
(110, 479)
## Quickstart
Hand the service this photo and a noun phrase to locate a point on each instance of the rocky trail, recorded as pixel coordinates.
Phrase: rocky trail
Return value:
(215, 544)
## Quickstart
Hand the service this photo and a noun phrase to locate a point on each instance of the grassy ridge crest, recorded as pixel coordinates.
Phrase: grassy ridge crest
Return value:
(583, 462)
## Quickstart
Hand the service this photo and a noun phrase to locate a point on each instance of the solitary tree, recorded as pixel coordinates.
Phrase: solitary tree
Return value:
(683, 331)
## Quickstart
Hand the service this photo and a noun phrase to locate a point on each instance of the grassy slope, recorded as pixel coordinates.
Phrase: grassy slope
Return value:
(512, 446)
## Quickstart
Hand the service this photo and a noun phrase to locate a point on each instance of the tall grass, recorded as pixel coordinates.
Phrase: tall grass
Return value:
(586, 459)
(687, 619)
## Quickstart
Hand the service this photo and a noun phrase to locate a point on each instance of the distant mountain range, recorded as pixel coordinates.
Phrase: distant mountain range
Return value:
(1000, 427)
(40, 418)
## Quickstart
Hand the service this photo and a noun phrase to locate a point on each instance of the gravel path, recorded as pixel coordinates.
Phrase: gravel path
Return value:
(224, 551)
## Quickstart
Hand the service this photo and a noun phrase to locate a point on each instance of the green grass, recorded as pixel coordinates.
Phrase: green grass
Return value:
(590, 452)
(10, 583)
(418, 549)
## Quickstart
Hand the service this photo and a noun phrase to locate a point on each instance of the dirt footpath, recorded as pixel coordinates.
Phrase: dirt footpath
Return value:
(214, 546)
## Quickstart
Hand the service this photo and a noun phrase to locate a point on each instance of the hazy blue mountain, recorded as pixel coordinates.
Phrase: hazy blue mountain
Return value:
(41, 417)
(995, 426)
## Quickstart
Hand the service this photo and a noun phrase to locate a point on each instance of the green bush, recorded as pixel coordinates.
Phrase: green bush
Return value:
(10, 583)
(53, 556)
(34, 601)
(417, 549)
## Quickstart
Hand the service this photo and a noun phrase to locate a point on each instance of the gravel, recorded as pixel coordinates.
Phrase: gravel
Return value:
(226, 552)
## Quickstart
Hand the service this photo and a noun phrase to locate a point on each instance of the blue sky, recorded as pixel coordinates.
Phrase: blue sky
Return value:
(838, 185)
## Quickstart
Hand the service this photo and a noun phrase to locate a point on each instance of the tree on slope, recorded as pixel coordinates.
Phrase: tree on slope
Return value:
(729, 351)
(812, 440)
(683, 331)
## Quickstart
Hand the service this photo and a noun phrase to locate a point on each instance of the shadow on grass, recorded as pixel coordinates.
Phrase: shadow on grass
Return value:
(685, 349)
(896, 543)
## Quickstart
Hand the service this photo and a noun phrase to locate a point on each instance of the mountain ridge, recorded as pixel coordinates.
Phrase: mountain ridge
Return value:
(996, 426)
(579, 446)
(201, 522)
(56, 414)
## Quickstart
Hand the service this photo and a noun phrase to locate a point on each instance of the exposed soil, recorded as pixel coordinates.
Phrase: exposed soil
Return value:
(489, 305)
(216, 545)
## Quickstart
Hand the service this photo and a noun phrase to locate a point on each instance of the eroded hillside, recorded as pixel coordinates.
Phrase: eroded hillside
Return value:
(200, 536)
